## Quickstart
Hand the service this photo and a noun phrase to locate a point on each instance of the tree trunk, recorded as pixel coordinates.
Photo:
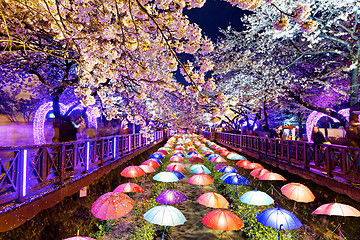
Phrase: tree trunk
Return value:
(57, 119)
(354, 88)
(299, 118)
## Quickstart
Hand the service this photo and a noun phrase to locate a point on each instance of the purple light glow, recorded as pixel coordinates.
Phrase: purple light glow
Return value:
(40, 117)
(114, 147)
(24, 173)
(87, 155)
(315, 116)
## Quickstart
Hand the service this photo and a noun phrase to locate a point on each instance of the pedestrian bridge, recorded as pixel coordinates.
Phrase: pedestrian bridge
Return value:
(36, 177)
(334, 166)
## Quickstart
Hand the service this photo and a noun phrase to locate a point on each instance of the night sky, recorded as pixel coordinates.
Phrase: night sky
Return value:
(213, 15)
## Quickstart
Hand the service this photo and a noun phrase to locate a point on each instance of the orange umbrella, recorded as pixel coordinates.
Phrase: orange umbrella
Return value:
(242, 163)
(147, 168)
(214, 200)
(201, 179)
(258, 172)
(272, 177)
(175, 167)
(176, 159)
(128, 187)
(132, 172)
(112, 205)
(253, 166)
(223, 220)
(337, 209)
(298, 192)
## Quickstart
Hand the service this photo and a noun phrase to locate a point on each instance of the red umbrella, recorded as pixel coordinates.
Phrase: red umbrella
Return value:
(218, 159)
(253, 166)
(175, 167)
(214, 200)
(337, 209)
(151, 163)
(208, 152)
(201, 179)
(128, 187)
(178, 151)
(272, 177)
(179, 148)
(223, 220)
(112, 205)
(163, 152)
(196, 160)
(147, 168)
(192, 149)
(132, 172)
(258, 172)
(176, 159)
(242, 163)
(298, 192)
(225, 153)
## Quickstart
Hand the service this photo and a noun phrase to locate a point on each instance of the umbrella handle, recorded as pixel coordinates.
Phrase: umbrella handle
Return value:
(163, 234)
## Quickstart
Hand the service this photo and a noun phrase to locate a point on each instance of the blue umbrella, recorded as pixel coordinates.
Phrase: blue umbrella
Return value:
(166, 177)
(191, 153)
(226, 175)
(207, 155)
(228, 169)
(165, 215)
(279, 218)
(178, 174)
(201, 169)
(179, 154)
(156, 160)
(236, 180)
(257, 198)
(213, 155)
(156, 155)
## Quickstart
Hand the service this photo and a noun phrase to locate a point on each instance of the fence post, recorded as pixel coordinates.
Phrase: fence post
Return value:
(306, 159)
(62, 163)
(115, 147)
(328, 162)
(87, 156)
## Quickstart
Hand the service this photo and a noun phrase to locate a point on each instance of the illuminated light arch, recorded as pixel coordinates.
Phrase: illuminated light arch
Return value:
(40, 117)
(315, 116)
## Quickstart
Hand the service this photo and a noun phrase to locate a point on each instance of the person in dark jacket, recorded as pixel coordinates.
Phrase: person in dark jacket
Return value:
(353, 132)
(317, 137)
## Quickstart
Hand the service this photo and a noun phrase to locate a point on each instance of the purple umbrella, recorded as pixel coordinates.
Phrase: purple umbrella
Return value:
(171, 196)
(218, 166)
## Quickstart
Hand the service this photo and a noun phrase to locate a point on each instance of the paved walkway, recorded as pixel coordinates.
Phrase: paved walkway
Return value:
(193, 229)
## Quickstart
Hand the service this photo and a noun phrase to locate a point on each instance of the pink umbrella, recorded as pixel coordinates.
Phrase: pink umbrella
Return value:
(337, 209)
(176, 159)
(201, 179)
(112, 205)
(218, 159)
(272, 177)
(132, 172)
(258, 172)
(175, 167)
(129, 187)
(253, 166)
(147, 168)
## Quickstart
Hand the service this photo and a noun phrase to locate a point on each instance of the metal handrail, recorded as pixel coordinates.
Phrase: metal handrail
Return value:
(31, 169)
(334, 160)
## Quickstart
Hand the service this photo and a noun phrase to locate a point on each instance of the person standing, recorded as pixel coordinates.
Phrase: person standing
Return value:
(317, 137)
(353, 132)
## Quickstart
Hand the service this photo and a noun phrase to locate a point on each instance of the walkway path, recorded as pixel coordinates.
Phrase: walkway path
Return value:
(193, 229)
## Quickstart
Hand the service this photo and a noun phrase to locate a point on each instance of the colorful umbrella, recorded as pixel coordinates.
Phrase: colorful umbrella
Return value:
(79, 238)
(226, 175)
(178, 174)
(166, 177)
(253, 166)
(112, 205)
(147, 168)
(272, 177)
(298, 192)
(223, 220)
(227, 169)
(218, 159)
(196, 160)
(151, 163)
(242, 163)
(235, 156)
(165, 215)
(279, 218)
(180, 154)
(132, 172)
(201, 169)
(156, 155)
(225, 153)
(257, 198)
(163, 152)
(337, 209)
(175, 167)
(213, 200)
(176, 159)
(218, 166)
(195, 166)
(128, 187)
(256, 173)
(236, 180)
(191, 153)
(171, 196)
(201, 179)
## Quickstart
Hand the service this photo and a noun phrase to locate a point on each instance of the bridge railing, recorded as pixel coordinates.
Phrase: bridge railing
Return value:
(333, 160)
(29, 170)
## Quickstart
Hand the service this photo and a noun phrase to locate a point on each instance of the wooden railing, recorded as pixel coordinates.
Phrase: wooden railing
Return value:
(333, 160)
(32, 169)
